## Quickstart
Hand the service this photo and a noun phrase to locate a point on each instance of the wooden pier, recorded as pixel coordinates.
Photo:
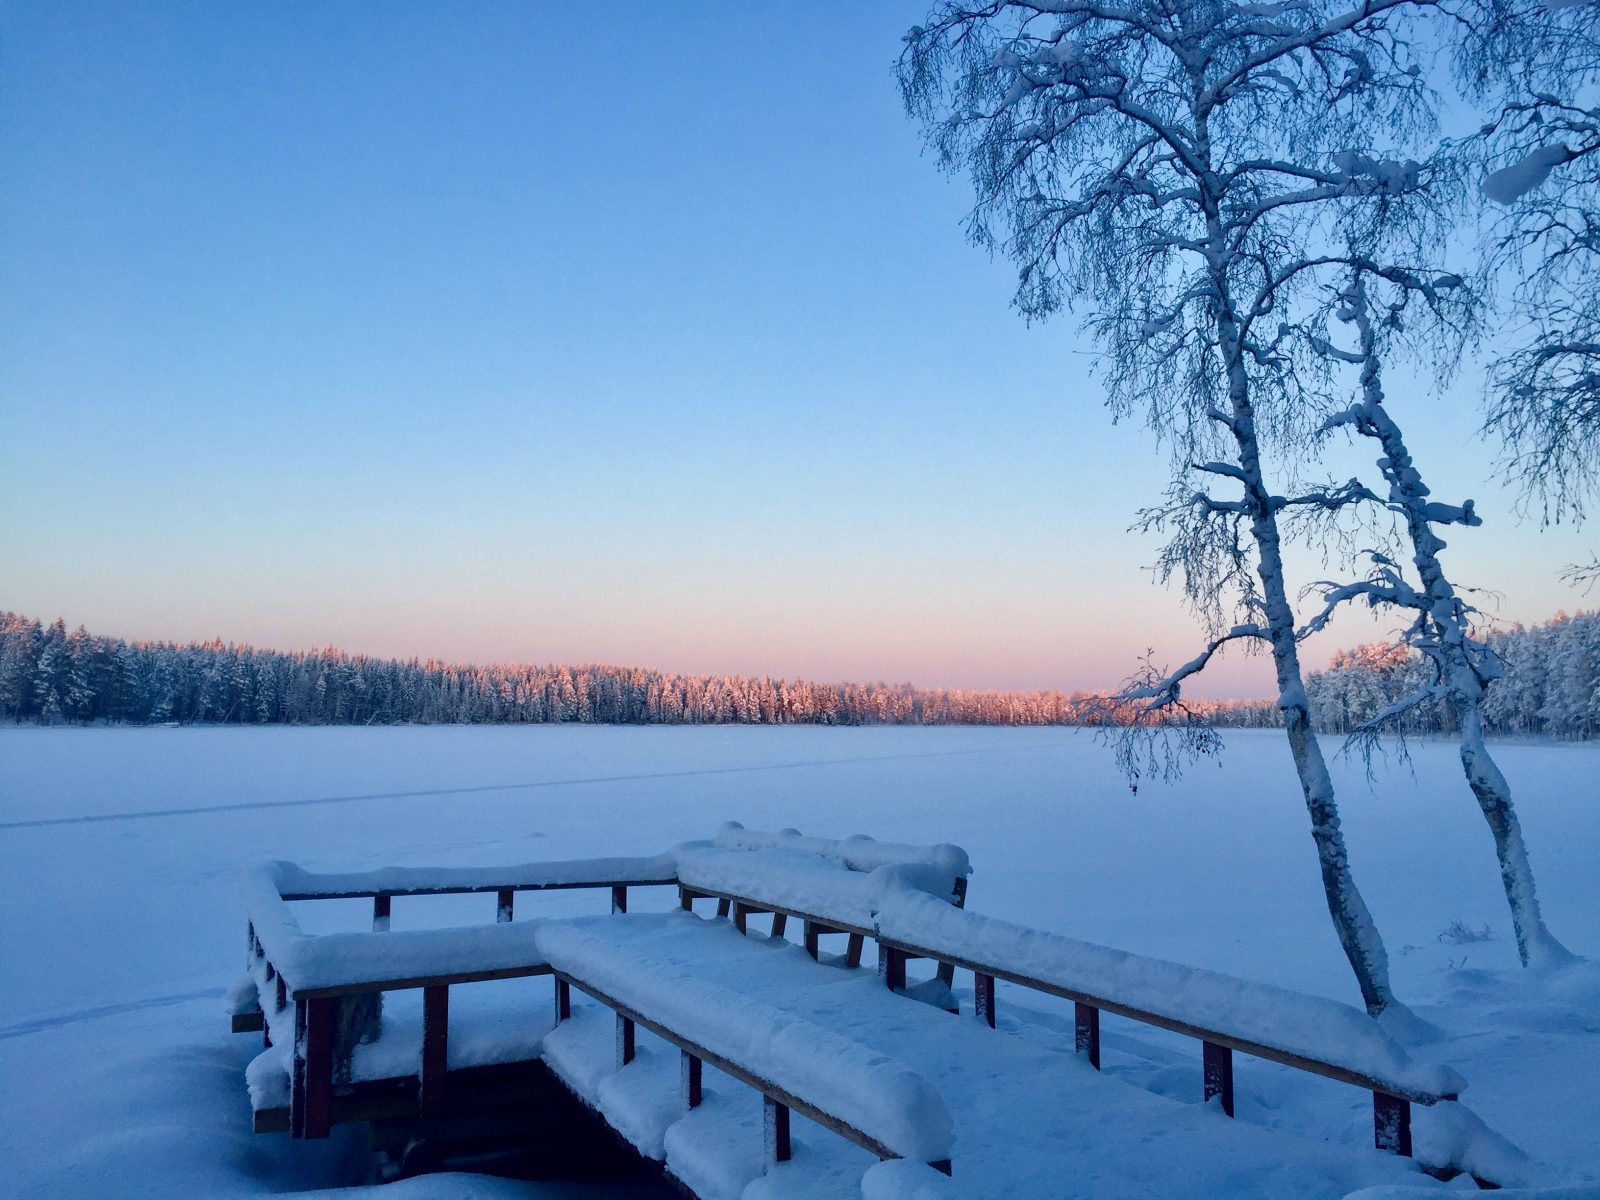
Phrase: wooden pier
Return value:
(650, 1016)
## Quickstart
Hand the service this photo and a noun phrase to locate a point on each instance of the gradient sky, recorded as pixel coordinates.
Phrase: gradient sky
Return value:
(544, 332)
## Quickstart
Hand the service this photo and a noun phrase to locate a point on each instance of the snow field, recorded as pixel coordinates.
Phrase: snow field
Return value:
(131, 931)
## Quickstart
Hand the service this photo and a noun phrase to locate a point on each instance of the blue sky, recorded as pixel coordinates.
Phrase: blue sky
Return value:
(527, 331)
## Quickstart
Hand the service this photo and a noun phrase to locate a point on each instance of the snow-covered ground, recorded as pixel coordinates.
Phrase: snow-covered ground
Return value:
(120, 926)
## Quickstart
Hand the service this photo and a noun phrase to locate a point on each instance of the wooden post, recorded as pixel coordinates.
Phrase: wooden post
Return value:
(892, 966)
(722, 906)
(1218, 1064)
(852, 952)
(563, 999)
(505, 903)
(619, 899)
(1087, 1019)
(813, 947)
(1391, 1123)
(983, 997)
(282, 996)
(250, 945)
(776, 1127)
(311, 1088)
(780, 924)
(741, 917)
(435, 1050)
(685, 899)
(380, 914)
(690, 1071)
(625, 1041)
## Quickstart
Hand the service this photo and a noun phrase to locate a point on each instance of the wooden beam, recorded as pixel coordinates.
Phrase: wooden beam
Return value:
(1218, 1069)
(253, 1021)
(892, 966)
(1391, 1123)
(504, 906)
(692, 1071)
(435, 1050)
(775, 1126)
(983, 997)
(1086, 1018)
(626, 1041)
(355, 987)
(465, 890)
(311, 1085)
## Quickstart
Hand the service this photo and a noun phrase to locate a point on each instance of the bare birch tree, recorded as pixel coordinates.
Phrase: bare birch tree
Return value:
(1462, 667)
(1171, 169)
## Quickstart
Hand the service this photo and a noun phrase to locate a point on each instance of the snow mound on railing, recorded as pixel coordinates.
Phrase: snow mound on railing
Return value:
(875, 1093)
(332, 959)
(859, 853)
(294, 880)
(1311, 1026)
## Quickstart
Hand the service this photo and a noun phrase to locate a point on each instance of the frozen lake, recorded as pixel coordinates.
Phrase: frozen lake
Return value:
(120, 927)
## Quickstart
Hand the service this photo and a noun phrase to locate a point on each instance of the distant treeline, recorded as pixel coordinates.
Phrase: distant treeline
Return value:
(50, 674)
(1551, 685)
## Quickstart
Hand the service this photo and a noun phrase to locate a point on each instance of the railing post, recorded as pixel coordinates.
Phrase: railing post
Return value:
(813, 940)
(619, 899)
(852, 951)
(435, 1050)
(250, 945)
(1218, 1063)
(311, 1086)
(1391, 1123)
(983, 997)
(563, 999)
(775, 1126)
(892, 966)
(505, 903)
(780, 924)
(282, 997)
(625, 1041)
(691, 1069)
(1087, 1019)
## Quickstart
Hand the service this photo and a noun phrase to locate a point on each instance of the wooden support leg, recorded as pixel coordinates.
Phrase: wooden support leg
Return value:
(776, 1128)
(505, 905)
(619, 899)
(741, 917)
(625, 1041)
(691, 1070)
(1391, 1123)
(722, 906)
(435, 1050)
(249, 945)
(892, 966)
(946, 974)
(852, 953)
(685, 899)
(563, 999)
(1087, 1018)
(380, 913)
(311, 1089)
(1218, 1063)
(983, 997)
(282, 997)
(780, 924)
(813, 939)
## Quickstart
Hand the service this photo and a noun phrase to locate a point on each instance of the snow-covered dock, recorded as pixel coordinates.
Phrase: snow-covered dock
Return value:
(752, 1066)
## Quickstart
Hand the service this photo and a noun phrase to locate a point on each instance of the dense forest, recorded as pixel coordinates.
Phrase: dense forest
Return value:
(50, 674)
